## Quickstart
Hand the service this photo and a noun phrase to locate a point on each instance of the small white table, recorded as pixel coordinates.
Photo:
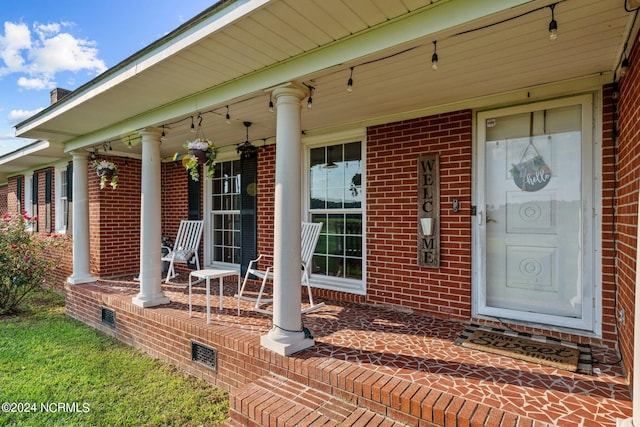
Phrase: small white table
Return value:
(208, 275)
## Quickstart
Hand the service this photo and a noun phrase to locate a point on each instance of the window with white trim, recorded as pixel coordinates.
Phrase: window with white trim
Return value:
(225, 213)
(335, 197)
(62, 196)
(64, 203)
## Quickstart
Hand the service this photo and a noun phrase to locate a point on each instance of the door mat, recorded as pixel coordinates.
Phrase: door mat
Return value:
(531, 348)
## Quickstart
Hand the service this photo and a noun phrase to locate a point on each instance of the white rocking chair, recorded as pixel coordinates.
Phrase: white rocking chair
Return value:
(309, 238)
(186, 246)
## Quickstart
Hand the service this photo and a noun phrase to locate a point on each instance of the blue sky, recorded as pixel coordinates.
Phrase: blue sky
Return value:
(65, 43)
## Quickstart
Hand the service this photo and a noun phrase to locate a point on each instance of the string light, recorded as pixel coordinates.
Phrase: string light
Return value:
(310, 100)
(615, 92)
(624, 66)
(553, 25)
(434, 57)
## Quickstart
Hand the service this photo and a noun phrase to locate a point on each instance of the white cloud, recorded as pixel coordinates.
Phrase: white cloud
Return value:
(16, 39)
(41, 55)
(63, 52)
(16, 116)
(43, 82)
(44, 30)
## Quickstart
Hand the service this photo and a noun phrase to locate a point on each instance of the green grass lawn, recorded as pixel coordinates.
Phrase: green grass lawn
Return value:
(55, 371)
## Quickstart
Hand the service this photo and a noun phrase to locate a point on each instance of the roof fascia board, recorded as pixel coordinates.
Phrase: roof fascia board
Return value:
(24, 151)
(434, 19)
(142, 61)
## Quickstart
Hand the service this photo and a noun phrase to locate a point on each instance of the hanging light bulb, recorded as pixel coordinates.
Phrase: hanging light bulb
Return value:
(228, 116)
(434, 57)
(553, 25)
(350, 82)
(624, 66)
(270, 104)
(193, 127)
(615, 92)
(310, 100)
(163, 137)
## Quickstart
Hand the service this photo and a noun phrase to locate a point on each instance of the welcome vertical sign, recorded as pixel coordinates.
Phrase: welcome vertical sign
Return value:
(429, 207)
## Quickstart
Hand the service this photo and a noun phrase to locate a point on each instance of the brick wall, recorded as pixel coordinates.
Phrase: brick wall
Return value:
(626, 225)
(266, 198)
(394, 277)
(13, 204)
(175, 198)
(114, 220)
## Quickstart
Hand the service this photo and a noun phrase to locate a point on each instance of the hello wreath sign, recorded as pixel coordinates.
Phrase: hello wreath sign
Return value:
(531, 173)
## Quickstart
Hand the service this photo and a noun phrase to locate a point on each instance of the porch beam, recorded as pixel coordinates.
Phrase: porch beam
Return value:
(150, 226)
(287, 335)
(81, 272)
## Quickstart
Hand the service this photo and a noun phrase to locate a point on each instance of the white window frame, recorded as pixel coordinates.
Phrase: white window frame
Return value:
(353, 286)
(208, 223)
(59, 226)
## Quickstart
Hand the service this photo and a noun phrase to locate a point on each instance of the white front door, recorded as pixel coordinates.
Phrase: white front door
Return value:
(534, 219)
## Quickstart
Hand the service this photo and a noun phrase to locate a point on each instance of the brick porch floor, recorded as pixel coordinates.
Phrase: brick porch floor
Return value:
(404, 366)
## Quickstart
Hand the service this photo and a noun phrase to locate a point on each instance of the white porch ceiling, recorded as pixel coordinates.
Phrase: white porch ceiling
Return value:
(316, 42)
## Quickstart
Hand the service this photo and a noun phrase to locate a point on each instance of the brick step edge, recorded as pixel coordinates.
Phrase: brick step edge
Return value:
(277, 401)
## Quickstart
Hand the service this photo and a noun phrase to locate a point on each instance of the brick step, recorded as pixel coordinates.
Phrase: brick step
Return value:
(408, 402)
(277, 401)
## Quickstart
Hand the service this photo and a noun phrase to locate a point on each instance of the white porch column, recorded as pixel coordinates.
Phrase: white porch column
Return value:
(286, 336)
(81, 270)
(150, 226)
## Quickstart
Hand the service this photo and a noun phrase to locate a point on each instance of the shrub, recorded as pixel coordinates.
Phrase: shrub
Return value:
(26, 260)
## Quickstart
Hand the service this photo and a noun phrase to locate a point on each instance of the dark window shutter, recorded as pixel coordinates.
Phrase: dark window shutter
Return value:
(194, 190)
(19, 183)
(70, 182)
(48, 181)
(47, 187)
(34, 189)
(248, 210)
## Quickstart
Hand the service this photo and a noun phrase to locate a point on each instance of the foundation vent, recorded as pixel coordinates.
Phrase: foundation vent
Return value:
(204, 355)
(109, 317)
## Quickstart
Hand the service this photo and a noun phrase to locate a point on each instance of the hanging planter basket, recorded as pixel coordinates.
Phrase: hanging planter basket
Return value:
(532, 173)
(106, 174)
(201, 155)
